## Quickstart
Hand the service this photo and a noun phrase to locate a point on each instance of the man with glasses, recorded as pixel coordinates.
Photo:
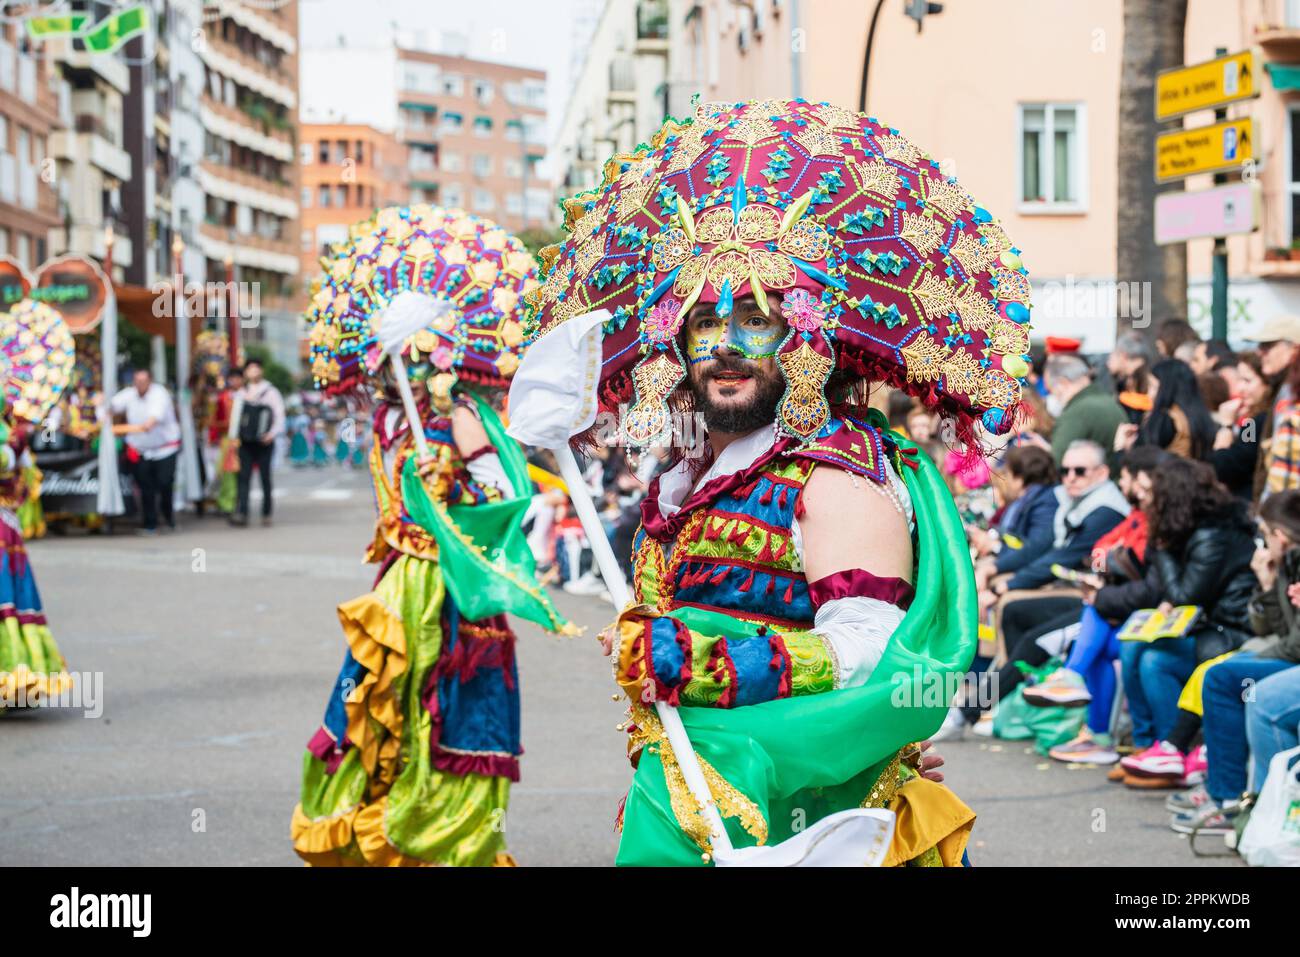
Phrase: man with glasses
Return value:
(1089, 505)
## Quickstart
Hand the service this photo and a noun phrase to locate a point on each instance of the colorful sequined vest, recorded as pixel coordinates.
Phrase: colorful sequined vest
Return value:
(451, 483)
(732, 549)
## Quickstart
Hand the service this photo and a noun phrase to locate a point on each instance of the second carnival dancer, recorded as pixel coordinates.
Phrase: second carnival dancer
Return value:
(420, 742)
(37, 356)
(802, 588)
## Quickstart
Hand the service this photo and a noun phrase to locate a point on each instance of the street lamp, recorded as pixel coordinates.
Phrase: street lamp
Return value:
(918, 10)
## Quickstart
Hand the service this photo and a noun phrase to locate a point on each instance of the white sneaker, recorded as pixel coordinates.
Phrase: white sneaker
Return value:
(588, 584)
(983, 727)
(953, 727)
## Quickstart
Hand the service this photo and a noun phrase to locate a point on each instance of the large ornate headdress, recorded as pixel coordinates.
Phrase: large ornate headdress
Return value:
(889, 271)
(422, 254)
(36, 358)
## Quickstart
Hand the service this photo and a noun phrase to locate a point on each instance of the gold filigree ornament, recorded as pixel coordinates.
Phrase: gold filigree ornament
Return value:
(729, 800)
(655, 379)
(804, 408)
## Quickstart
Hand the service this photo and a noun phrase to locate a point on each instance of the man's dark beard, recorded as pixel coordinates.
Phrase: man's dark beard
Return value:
(738, 419)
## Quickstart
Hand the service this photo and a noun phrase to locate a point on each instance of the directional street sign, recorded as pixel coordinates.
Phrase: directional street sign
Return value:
(1222, 211)
(1206, 149)
(1204, 86)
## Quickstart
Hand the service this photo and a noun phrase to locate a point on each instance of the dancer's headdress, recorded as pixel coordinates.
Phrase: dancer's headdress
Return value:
(464, 274)
(889, 270)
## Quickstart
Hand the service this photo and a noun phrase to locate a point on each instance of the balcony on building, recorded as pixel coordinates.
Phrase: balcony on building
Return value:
(92, 140)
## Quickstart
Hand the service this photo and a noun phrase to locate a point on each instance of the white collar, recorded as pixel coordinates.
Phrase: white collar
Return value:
(676, 484)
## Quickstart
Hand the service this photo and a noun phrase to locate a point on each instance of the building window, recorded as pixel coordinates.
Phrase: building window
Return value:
(324, 153)
(482, 126)
(343, 195)
(451, 163)
(453, 85)
(305, 151)
(514, 168)
(452, 122)
(453, 195)
(25, 249)
(514, 130)
(361, 153)
(323, 195)
(1052, 156)
(306, 197)
(483, 91)
(482, 165)
(308, 241)
(514, 204)
(484, 201)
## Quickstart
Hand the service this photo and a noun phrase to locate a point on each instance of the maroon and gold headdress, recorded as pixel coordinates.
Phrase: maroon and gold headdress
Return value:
(889, 270)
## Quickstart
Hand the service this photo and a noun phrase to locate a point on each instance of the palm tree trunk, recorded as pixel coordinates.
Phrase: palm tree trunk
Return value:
(1153, 41)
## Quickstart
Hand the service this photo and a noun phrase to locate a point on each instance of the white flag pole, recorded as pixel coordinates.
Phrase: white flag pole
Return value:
(618, 590)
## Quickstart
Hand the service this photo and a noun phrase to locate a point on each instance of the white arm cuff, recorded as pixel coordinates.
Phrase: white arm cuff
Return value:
(856, 630)
(488, 471)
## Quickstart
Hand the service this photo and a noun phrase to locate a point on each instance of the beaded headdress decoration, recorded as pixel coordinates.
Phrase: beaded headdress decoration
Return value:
(37, 356)
(447, 255)
(887, 269)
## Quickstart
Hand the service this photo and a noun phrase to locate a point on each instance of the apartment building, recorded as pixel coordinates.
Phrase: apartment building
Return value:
(248, 170)
(163, 200)
(348, 170)
(475, 132)
(91, 162)
(29, 115)
(621, 92)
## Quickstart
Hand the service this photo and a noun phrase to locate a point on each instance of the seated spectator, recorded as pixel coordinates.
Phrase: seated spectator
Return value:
(1273, 615)
(1178, 421)
(1027, 482)
(1083, 409)
(1279, 358)
(1088, 676)
(1089, 504)
(1201, 545)
(1244, 418)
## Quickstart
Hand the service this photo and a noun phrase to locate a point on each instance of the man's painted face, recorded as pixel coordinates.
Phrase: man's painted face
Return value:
(733, 373)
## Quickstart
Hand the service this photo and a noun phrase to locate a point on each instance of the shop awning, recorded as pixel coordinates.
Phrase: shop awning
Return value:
(1285, 76)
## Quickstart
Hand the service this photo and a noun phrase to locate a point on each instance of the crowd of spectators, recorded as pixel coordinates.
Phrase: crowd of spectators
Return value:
(1164, 478)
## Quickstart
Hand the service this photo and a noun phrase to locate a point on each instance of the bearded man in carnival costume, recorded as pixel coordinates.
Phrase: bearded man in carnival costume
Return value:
(420, 742)
(803, 589)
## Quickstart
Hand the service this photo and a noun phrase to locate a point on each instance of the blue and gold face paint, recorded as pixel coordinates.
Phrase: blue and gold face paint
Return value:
(747, 331)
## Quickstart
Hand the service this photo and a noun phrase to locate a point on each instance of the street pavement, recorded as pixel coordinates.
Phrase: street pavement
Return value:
(218, 646)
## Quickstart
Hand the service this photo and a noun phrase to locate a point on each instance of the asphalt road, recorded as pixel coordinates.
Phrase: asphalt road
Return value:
(217, 647)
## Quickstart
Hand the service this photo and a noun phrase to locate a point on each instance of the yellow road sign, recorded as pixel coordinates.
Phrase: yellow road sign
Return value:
(1207, 149)
(1203, 86)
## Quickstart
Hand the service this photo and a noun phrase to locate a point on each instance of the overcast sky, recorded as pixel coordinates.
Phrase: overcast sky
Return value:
(532, 33)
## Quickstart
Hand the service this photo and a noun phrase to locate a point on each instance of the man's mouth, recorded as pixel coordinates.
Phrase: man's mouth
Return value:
(729, 377)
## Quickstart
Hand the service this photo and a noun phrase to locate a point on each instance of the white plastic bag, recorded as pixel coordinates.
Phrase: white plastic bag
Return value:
(1272, 835)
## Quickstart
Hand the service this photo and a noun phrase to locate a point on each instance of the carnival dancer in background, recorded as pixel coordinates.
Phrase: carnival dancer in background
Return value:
(299, 427)
(801, 583)
(37, 351)
(420, 741)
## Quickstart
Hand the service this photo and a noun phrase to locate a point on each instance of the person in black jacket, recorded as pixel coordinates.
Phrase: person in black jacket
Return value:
(1201, 546)
(1273, 617)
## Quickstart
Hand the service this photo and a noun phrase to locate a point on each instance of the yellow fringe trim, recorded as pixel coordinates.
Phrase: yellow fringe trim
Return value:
(375, 636)
(34, 685)
(321, 842)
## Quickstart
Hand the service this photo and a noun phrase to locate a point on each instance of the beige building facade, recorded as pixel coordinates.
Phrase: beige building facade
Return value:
(1016, 98)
